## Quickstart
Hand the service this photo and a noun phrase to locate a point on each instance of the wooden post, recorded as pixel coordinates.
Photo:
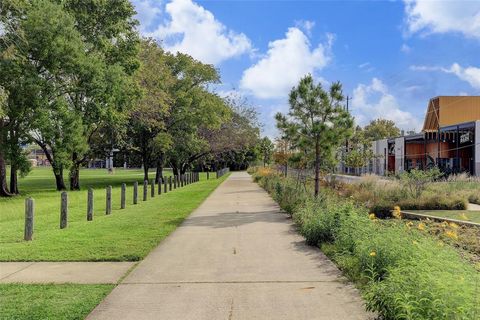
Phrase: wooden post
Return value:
(170, 183)
(108, 207)
(29, 211)
(122, 196)
(165, 184)
(90, 205)
(160, 185)
(145, 190)
(135, 192)
(152, 188)
(63, 210)
(208, 175)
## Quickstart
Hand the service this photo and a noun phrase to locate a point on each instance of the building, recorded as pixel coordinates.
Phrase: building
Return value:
(448, 140)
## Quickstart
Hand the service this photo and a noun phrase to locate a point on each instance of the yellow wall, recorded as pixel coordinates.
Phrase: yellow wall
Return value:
(458, 109)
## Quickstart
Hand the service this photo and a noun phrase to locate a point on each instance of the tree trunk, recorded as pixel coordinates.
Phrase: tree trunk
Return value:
(3, 177)
(60, 183)
(75, 177)
(317, 167)
(159, 171)
(13, 179)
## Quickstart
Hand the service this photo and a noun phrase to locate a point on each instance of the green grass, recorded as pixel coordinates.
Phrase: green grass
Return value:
(67, 301)
(465, 215)
(125, 235)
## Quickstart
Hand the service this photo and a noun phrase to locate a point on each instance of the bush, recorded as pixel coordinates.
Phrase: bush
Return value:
(404, 273)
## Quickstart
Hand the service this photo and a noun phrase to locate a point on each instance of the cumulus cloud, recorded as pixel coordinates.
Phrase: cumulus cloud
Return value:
(286, 61)
(372, 101)
(461, 16)
(468, 74)
(191, 29)
(148, 11)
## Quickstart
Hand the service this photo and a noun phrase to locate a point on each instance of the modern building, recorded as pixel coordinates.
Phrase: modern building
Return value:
(448, 140)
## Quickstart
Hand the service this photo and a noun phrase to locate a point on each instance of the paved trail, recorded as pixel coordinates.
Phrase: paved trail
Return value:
(235, 257)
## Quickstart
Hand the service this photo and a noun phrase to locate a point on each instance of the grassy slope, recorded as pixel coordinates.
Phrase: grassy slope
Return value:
(473, 216)
(68, 301)
(124, 235)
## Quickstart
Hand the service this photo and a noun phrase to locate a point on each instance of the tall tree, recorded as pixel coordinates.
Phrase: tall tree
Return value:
(380, 129)
(105, 87)
(147, 127)
(317, 120)
(266, 147)
(3, 168)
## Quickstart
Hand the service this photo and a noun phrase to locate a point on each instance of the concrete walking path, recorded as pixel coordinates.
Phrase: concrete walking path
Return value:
(63, 272)
(235, 257)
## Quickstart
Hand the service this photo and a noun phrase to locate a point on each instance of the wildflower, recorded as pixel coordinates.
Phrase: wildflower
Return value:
(373, 254)
(372, 216)
(444, 224)
(451, 234)
(396, 208)
(453, 225)
(414, 242)
(421, 226)
(397, 214)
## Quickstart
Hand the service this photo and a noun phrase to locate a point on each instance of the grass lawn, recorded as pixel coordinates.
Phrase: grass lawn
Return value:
(125, 235)
(67, 301)
(465, 215)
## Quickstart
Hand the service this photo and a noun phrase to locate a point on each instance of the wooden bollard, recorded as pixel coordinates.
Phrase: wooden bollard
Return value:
(29, 212)
(145, 190)
(63, 210)
(90, 204)
(164, 184)
(135, 192)
(159, 185)
(123, 195)
(170, 183)
(152, 188)
(108, 207)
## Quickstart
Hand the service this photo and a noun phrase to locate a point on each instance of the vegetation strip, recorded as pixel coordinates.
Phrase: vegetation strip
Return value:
(403, 272)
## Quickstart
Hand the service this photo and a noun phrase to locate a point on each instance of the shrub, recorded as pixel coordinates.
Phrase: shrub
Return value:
(416, 181)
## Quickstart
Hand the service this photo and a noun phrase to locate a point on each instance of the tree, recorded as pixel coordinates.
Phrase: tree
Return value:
(359, 151)
(266, 147)
(3, 168)
(147, 120)
(282, 153)
(380, 129)
(316, 120)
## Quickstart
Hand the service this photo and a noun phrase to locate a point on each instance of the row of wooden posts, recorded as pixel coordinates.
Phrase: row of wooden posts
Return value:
(168, 184)
(222, 172)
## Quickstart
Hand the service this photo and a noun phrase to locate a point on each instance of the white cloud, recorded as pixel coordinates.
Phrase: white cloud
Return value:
(193, 30)
(286, 61)
(373, 101)
(148, 11)
(468, 74)
(462, 16)
(366, 67)
(306, 25)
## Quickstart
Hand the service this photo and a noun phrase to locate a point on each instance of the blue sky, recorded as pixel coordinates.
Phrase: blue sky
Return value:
(390, 56)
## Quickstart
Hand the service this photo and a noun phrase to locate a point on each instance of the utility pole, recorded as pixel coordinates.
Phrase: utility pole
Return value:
(346, 140)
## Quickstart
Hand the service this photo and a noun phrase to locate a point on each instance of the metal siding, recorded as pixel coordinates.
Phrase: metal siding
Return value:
(454, 110)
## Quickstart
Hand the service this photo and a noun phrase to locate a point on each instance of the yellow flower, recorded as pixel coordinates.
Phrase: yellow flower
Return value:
(453, 225)
(451, 234)
(444, 224)
(397, 208)
(421, 226)
(372, 216)
(397, 214)
(373, 254)
(414, 242)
